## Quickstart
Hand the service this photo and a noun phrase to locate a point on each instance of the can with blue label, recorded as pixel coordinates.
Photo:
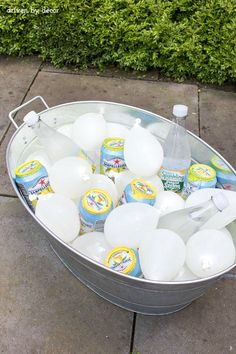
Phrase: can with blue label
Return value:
(94, 207)
(124, 260)
(200, 176)
(112, 160)
(32, 180)
(226, 179)
(139, 190)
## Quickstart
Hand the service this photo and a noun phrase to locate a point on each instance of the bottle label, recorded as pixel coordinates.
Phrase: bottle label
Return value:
(173, 180)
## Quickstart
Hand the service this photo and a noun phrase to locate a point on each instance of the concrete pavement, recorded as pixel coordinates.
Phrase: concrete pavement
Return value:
(43, 308)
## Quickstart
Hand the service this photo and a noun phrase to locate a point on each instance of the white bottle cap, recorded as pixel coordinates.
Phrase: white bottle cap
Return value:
(180, 110)
(31, 118)
(220, 201)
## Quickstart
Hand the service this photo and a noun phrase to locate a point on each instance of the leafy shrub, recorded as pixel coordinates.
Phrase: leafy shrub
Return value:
(180, 38)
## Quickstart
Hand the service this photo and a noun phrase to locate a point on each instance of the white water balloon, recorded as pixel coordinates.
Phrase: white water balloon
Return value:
(209, 252)
(117, 130)
(162, 255)
(122, 179)
(127, 224)
(59, 214)
(71, 177)
(92, 245)
(89, 131)
(226, 232)
(157, 182)
(115, 116)
(142, 152)
(185, 275)
(168, 201)
(105, 183)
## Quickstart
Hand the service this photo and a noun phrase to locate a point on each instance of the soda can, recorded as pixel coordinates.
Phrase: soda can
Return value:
(226, 179)
(112, 157)
(200, 176)
(94, 207)
(139, 190)
(124, 260)
(32, 180)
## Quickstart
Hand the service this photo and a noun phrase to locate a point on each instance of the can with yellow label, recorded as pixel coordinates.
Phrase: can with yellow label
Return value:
(112, 157)
(139, 190)
(94, 207)
(200, 176)
(124, 260)
(32, 180)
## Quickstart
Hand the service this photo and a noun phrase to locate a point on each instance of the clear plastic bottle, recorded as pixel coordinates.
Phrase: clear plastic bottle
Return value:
(177, 152)
(55, 144)
(186, 222)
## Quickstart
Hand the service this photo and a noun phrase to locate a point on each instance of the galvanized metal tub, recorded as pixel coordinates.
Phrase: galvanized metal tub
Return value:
(134, 294)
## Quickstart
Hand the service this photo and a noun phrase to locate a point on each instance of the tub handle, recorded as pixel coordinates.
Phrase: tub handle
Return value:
(23, 105)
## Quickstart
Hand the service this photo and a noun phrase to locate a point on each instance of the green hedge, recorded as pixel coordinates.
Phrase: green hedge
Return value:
(180, 38)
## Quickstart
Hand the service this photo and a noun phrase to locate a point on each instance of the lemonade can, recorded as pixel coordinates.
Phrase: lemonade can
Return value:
(112, 157)
(226, 179)
(200, 176)
(94, 207)
(139, 190)
(124, 260)
(32, 180)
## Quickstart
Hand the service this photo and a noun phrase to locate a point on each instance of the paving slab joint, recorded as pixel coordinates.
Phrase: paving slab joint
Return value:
(22, 101)
(199, 113)
(8, 195)
(133, 333)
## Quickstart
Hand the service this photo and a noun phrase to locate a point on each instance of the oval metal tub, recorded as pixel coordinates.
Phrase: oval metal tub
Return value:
(134, 294)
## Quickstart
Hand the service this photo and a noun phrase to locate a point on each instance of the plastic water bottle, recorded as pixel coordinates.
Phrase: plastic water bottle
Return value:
(56, 144)
(186, 222)
(177, 152)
